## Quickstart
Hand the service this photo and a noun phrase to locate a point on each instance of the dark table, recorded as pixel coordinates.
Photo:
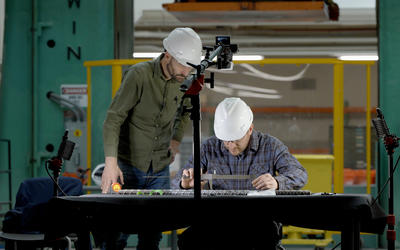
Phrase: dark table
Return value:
(348, 213)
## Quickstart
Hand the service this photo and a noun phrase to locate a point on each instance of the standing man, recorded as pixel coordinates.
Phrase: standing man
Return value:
(143, 127)
(238, 149)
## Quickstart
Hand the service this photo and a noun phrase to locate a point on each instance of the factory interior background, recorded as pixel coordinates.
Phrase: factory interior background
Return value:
(291, 69)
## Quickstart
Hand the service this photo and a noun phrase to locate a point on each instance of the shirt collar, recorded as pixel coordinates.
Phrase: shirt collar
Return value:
(254, 140)
(157, 67)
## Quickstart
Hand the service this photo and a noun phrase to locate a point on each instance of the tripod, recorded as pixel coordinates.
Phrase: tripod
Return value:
(196, 117)
(192, 88)
(391, 142)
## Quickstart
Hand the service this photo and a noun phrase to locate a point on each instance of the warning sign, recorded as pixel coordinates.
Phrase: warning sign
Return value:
(78, 132)
(76, 93)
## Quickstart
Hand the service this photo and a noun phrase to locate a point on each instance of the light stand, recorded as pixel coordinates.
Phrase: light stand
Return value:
(195, 116)
(391, 142)
(192, 87)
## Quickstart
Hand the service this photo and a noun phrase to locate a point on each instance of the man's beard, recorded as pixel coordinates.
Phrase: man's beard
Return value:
(177, 77)
(180, 79)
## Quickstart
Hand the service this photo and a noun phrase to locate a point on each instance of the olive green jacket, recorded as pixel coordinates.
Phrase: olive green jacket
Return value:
(144, 117)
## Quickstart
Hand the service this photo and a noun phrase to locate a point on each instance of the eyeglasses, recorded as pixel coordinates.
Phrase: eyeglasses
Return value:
(235, 141)
(192, 70)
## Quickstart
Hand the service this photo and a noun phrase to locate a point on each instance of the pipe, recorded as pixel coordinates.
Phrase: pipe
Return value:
(34, 162)
(78, 111)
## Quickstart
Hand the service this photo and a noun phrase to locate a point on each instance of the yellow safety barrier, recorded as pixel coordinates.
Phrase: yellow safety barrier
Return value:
(319, 169)
(179, 231)
(299, 236)
(338, 150)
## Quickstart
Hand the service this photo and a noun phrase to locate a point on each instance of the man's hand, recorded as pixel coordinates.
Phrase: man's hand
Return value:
(265, 181)
(187, 180)
(174, 148)
(110, 174)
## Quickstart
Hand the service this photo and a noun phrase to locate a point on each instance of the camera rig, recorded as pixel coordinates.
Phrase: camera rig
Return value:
(223, 51)
(224, 60)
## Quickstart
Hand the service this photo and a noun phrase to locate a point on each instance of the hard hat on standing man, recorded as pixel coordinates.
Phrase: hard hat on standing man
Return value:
(184, 45)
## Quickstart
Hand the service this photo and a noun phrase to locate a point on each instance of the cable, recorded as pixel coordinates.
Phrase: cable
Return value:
(387, 181)
(379, 194)
(51, 177)
(338, 244)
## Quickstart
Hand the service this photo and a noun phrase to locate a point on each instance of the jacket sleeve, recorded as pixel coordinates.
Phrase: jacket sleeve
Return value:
(181, 120)
(127, 96)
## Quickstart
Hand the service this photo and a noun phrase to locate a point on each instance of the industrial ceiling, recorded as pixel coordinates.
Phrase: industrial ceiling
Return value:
(268, 33)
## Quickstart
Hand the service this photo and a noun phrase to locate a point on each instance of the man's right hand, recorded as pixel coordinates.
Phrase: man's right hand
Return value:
(187, 180)
(111, 173)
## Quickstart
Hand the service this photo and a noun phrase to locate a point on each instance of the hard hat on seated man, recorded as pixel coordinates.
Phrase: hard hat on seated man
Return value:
(233, 124)
(183, 46)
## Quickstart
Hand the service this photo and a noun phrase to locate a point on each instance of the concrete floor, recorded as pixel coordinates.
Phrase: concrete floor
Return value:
(288, 248)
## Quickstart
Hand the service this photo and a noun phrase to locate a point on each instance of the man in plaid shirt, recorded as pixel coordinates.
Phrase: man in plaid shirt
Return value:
(238, 149)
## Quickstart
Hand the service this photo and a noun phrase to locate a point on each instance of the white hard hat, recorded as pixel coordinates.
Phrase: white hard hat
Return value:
(233, 119)
(97, 173)
(184, 45)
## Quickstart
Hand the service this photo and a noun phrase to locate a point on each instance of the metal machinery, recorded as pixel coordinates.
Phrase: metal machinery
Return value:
(46, 43)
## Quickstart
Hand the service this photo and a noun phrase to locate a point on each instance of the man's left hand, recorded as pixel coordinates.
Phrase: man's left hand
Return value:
(265, 181)
(174, 148)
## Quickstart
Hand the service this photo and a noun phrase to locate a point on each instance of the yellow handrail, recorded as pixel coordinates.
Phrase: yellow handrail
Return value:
(337, 107)
(338, 128)
(89, 124)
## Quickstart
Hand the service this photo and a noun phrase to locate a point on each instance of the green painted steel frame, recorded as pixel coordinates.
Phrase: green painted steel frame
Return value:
(389, 101)
(79, 31)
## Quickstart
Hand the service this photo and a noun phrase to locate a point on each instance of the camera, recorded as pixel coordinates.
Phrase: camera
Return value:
(224, 59)
(223, 51)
